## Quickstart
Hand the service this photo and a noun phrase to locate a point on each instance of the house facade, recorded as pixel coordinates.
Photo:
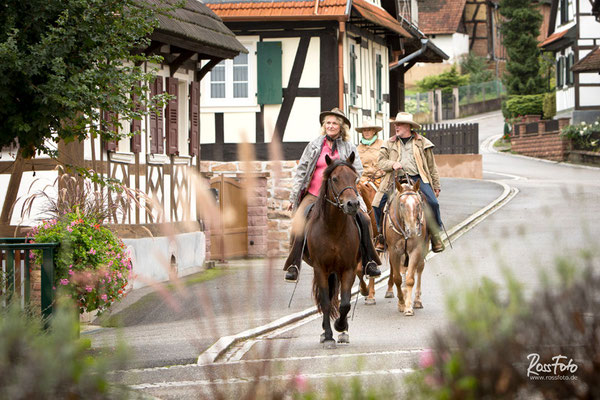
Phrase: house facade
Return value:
(162, 161)
(573, 34)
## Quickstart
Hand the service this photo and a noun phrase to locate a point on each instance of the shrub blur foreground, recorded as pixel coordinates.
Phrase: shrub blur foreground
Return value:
(53, 364)
(504, 347)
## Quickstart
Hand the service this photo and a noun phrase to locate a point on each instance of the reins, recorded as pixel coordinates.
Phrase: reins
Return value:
(336, 196)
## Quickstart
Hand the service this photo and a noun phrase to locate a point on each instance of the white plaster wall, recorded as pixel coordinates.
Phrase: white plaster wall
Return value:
(183, 128)
(303, 124)
(455, 45)
(289, 47)
(585, 7)
(207, 127)
(589, 96)
(271, 111)
(565, 99)
(588, 27)
(151, 257)
(42, 181)
(239, 127)
(312, 67)
(590, 77)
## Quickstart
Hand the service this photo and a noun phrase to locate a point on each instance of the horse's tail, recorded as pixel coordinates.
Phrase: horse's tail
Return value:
(334, 295)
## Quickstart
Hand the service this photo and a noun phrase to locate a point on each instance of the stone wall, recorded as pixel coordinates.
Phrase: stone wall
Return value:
(268, 216)
(540, 138)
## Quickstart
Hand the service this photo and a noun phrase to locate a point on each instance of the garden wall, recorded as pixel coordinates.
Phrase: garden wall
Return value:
(540, 138)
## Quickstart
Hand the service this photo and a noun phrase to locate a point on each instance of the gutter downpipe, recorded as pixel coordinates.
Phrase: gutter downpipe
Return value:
(412, 55)
(342, 33)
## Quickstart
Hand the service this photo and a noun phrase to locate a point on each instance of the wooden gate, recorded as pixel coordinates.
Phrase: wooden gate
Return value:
(230, 239)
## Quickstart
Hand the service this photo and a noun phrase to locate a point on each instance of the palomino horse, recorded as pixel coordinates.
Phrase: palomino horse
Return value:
(333, 244)
(367, 191)
(405, 231)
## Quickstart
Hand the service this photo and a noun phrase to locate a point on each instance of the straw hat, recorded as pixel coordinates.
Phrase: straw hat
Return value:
(405, 118)
(368, 124)
(335, 111)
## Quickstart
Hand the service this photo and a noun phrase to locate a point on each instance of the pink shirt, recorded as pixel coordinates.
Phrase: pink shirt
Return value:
(317, 178)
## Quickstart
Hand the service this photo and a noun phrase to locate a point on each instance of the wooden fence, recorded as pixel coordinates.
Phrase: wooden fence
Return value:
(453, 138)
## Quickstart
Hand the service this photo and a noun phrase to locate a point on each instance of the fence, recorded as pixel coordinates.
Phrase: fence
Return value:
(15, 255)
(453, 138)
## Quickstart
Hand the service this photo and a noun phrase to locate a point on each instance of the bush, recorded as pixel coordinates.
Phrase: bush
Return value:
(583, 136)
(523, 105)
(495, 337)
(445, 81)
(91, 264)
(52, 364)
(549, 106)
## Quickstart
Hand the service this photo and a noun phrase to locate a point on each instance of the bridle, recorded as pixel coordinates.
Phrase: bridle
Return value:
(396, 225)
(336, 196)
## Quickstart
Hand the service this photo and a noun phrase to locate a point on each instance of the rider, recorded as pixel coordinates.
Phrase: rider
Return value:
(333, 141)
(368, 149)
(410, 153)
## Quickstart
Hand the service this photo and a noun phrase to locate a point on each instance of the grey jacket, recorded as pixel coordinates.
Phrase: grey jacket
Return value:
(308, 162)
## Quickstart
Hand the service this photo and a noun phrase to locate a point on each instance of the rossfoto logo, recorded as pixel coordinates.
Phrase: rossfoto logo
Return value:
(562, 368)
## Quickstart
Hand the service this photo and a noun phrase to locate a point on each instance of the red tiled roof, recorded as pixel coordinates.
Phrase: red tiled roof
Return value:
(553, 38)
(589, 63)
(440, 16)
(379, 16)
(249, 10)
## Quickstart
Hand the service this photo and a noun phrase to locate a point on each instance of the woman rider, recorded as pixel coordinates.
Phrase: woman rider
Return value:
(410, 153)
(332, 141)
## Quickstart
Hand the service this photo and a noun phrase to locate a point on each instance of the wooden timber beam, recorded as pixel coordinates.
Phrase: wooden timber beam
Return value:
(178, 62)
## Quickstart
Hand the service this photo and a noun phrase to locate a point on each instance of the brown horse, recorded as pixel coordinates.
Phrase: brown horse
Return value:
(367, 191)
(333, 246)
(405, 231)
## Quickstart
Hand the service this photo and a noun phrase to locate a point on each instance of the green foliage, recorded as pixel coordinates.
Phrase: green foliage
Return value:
(92, 265)
(61, 61)
(53, 364)
(523, 105)
(494, 329)
(584, 136)
(477, 69)
(445, 81)
(549, 106)
(520, 28)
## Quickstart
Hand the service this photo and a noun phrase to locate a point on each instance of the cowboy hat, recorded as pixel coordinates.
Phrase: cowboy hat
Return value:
(335, 111)
(368, 124)
(405, 118)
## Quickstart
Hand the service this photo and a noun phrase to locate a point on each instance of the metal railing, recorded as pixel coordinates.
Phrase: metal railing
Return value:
(15, 256)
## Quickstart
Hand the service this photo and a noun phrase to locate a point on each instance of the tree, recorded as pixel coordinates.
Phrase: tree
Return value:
(63, 61)
(520, 29)
(476, 67)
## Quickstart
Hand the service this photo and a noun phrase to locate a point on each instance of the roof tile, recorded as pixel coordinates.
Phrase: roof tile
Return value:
(589, 63)
(440, 16)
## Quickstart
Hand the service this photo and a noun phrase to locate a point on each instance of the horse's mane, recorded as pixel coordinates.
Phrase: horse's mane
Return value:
(321, 202)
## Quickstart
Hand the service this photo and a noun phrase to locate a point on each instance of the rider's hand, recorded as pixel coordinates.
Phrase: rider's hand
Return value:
(437, 192)
(396, 166)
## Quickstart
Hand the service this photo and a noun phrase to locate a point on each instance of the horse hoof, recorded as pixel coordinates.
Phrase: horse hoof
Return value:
(401, 307)
(389, 295)
(409, 313)
(370, 302)
(364, 292)
(322, 337)
(329, 344)
(344, 337)
(418, 304)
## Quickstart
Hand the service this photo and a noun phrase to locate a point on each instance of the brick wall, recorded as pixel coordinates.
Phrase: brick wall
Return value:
(540, 138)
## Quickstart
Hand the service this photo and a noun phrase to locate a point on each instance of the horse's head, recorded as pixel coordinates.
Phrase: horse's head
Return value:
(340, 179)
(409, 209)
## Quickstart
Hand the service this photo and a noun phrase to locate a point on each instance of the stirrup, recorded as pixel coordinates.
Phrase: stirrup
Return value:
(292, 274)
(374, 270)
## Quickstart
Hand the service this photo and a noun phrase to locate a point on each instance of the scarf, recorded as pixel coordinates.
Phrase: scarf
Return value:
(368, 142)
(332, 142)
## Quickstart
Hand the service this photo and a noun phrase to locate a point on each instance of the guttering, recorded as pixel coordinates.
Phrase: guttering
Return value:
(412, 55)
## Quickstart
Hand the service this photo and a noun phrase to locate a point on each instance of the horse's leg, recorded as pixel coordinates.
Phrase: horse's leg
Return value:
(325, 303)
(413, 261)
(370, 300)
(389, 294)
(364, 290)
(395, 263)
(420, 268)
(341, 324)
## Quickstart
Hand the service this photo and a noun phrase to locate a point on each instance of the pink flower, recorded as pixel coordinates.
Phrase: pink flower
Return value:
(64, 282)
(104, 297)
(88, 289)
(71, 272)
(69, 229)
(300, 382)
(92, 251)
(426, 359)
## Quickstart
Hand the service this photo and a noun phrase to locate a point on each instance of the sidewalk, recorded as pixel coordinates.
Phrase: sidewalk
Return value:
(168, 326)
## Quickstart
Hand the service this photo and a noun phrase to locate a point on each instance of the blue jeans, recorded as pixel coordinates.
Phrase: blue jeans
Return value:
(429, 194)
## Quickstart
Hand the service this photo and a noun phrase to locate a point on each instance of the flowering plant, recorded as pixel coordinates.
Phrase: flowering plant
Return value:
(584, 136)
(92, 264)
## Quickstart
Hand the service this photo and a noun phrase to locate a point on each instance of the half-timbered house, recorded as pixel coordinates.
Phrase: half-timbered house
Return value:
(160, 161)
(573, 34)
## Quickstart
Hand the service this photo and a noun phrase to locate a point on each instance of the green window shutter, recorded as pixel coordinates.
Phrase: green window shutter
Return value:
(569, 72)
(559, 72)
(269, 73)
(379, 69)
(353, 57)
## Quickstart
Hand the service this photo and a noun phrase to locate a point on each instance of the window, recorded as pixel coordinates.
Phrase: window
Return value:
(564, 11)
(232, 82)
(353, 57)
(378, 87)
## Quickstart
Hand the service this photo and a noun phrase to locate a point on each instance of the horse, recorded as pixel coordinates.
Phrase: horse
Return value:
(367, 191)
(333, 246)
(405, 232)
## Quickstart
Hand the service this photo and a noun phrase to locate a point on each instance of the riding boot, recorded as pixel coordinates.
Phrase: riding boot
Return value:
(437, 245)
(369, 258)
(292, 263)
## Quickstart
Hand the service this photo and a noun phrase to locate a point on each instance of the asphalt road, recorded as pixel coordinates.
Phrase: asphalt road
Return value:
(554, 214)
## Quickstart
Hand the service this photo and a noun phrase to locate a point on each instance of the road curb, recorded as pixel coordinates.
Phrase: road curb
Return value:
(225, 343)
